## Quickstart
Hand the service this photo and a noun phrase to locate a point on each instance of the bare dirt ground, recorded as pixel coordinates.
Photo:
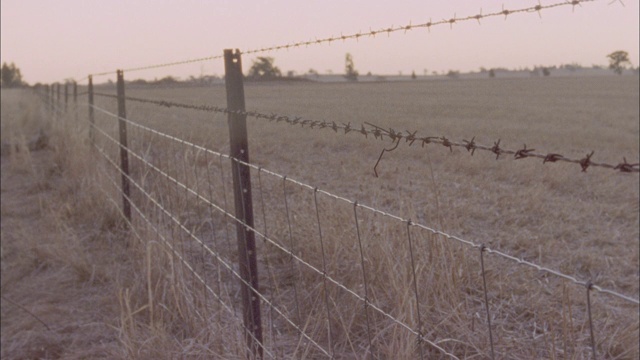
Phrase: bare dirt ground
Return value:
(51, 307)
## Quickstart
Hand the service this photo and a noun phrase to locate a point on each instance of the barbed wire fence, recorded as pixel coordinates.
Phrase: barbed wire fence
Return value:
(297, 286)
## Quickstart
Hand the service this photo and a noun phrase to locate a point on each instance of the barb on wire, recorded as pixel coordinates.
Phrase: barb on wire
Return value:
(626, 167)
(465, 242)
(428, 25)
(382, 153)
(523, 153)
(381, 133)
(371, 33)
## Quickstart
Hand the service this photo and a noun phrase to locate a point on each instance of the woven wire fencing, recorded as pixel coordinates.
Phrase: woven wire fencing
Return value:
(340, 278)
(337, 278)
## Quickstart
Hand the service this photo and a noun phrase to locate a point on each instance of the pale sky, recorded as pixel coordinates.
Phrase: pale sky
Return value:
(54, 40)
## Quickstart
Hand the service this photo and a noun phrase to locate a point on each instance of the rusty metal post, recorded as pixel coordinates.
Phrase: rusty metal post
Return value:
(124, 153)
(239, 148)
(92, 119)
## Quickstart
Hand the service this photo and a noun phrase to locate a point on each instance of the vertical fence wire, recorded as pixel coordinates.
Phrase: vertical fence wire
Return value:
(415, 289)
(324, 274)
(486, 301)
(593, 339)
(366, 300)
(364, 277)
(272, 283)
(294, 271)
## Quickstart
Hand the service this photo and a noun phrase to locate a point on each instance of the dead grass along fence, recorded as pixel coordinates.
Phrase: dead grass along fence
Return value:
(298, 288)
(401, 314)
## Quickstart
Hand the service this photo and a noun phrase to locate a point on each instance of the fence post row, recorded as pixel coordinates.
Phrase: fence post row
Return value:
(92, 120)
(58, 95)
(75, 99)
(239, 150)
(124, 154)
(47, 95)
(66, 96)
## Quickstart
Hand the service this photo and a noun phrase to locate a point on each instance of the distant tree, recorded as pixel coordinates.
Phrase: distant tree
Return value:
(313, 72)
(167, 80)
(350, 72)
(263, 68)
(492, 73)
(139, 82)
(453, 74)
(617, 61)
(546, 71)
(11, 76)
(291, 73)
(413, 75)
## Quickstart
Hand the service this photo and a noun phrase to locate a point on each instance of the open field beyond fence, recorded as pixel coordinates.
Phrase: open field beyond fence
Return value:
(425, 219)
(342, 271)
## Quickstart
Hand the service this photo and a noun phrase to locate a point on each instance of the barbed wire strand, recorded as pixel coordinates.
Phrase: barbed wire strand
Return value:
(201, 242)
(446, 235)
(410, 137)
(260, 234)
(167, 64)
(183, 228)
(371, 34)
(469, 243)
(165, 242)
(428, 25)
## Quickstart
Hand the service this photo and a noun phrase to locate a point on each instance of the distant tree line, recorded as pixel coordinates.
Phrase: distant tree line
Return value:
(263, 68)
(11, 76)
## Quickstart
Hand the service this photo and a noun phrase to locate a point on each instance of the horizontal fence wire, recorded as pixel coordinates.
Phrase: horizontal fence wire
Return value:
(427, 25)
(173, 218)
(469, 243)
(190, 233)
(364, 34)
(289, 252)
(270, 303)
(162, 65)
(410, 137)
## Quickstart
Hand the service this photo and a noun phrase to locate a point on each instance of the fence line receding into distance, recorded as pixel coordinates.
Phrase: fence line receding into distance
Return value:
(296, 286)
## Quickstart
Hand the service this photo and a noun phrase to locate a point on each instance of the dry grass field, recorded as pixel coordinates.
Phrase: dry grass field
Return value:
(584, 224)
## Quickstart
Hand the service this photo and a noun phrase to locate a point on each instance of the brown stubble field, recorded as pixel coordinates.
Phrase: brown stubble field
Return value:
(582, 224)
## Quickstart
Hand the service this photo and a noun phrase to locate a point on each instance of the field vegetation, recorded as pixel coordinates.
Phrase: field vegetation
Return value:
(585, 224)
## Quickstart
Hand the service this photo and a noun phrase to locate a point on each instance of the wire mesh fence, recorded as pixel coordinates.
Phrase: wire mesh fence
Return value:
(340, 278)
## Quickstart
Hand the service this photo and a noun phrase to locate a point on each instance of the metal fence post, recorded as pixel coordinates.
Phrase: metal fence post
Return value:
(47, 96)
(75, 99)
(243, 203)
(92, 120)
(124, 154)
(58, 96)
(66, 96)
